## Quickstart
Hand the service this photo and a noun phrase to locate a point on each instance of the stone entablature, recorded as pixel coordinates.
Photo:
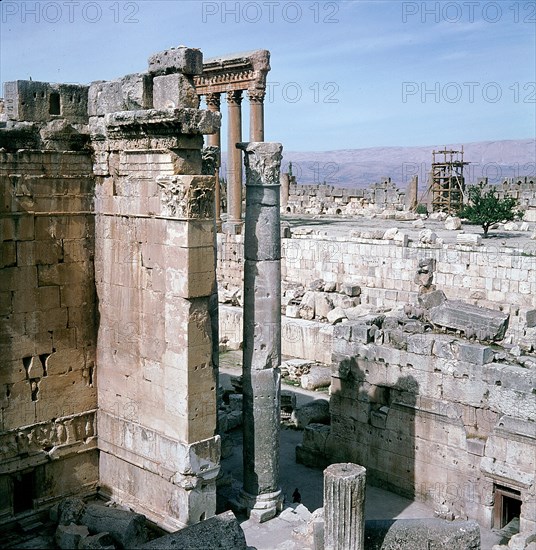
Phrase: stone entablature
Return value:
(241, 71)
(232, 74)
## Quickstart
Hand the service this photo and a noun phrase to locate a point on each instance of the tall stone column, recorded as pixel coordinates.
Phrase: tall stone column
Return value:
(234, 163)
(412, 193)
(256, 115)
(214, 104)
(285, 184)
(261, 376)
(344, 507)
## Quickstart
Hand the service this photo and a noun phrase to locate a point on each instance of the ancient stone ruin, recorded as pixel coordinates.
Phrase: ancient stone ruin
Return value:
(118, 290)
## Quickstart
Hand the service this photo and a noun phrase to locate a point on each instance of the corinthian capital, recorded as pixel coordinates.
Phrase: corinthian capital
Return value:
(234, 97)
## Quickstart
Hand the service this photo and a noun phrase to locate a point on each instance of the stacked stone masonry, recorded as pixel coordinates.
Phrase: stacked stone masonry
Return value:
(384, 195)
(48, 378)
(106, 271)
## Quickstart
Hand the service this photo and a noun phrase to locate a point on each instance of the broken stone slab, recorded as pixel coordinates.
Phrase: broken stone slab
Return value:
(317, 377)
(317, 284)
(336, 315)
(428, 300)
(126, 528)
(149, 121)
(221, 531)
(69, 536)
(323, 304)
(521, 541)
(129, 93)
(307, 306)
(427, 236)
(390, 233)
(363, 333)
(71, 510)
(316, 411)
(421, 534)
(177, 60)
(485, 323)
(453, 223)
(469, 239)
(345, 302)
(292, 311)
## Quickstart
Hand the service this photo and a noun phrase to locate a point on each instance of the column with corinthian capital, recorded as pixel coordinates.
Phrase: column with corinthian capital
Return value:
(233, 224)
(256, 114)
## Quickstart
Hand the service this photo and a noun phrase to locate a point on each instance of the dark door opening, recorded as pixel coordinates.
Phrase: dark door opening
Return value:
(507, 506)
(23, 492)
(54, 105)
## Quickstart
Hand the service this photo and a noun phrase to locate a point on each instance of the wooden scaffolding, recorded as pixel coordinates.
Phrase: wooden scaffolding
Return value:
(447, 184)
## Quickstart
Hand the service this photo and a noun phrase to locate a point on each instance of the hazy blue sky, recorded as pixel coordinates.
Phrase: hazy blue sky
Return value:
(345, 74)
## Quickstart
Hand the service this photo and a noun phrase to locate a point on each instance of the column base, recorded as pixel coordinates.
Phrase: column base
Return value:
(232, 228)
(261, 508)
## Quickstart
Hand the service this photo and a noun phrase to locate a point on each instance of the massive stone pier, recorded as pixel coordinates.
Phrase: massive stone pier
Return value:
(261, 493)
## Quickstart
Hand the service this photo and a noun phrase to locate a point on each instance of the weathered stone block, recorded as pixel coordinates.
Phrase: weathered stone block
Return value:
(475, 353)
(137, 91)
(126, 528)
(485, 323)
(420, 344)
(421, 534)
(530, 317)
(351, 289)
(70, 536)
(469, 239)
(431, 299)
(177, 60)
(41, 101)
(173, 91)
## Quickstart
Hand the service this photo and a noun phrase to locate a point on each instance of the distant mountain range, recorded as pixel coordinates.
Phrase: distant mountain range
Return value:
(361, 167)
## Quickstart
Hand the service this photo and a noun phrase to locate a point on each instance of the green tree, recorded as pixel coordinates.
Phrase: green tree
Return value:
(486, 208)
(290, 168)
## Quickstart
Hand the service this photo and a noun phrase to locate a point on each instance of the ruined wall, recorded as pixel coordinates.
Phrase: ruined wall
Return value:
(47, 309)
(492, 276)
(432, 416)
(333, 200)
(107, 266)
(154, 268)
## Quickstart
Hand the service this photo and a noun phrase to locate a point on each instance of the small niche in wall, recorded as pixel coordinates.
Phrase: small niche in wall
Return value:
(54, 104)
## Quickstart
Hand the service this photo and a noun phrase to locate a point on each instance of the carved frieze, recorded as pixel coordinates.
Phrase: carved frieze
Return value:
(187, 196)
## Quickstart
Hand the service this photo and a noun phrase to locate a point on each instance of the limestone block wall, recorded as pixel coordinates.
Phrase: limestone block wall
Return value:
(330, 199)
(437, 419)
(154, 265)
(490, 276)
(48, 373)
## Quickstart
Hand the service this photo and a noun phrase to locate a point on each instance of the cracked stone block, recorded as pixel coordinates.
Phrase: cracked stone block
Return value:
(432, 299)
(177, 60)
(485, 323)
(475, 353)
(173, 91)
